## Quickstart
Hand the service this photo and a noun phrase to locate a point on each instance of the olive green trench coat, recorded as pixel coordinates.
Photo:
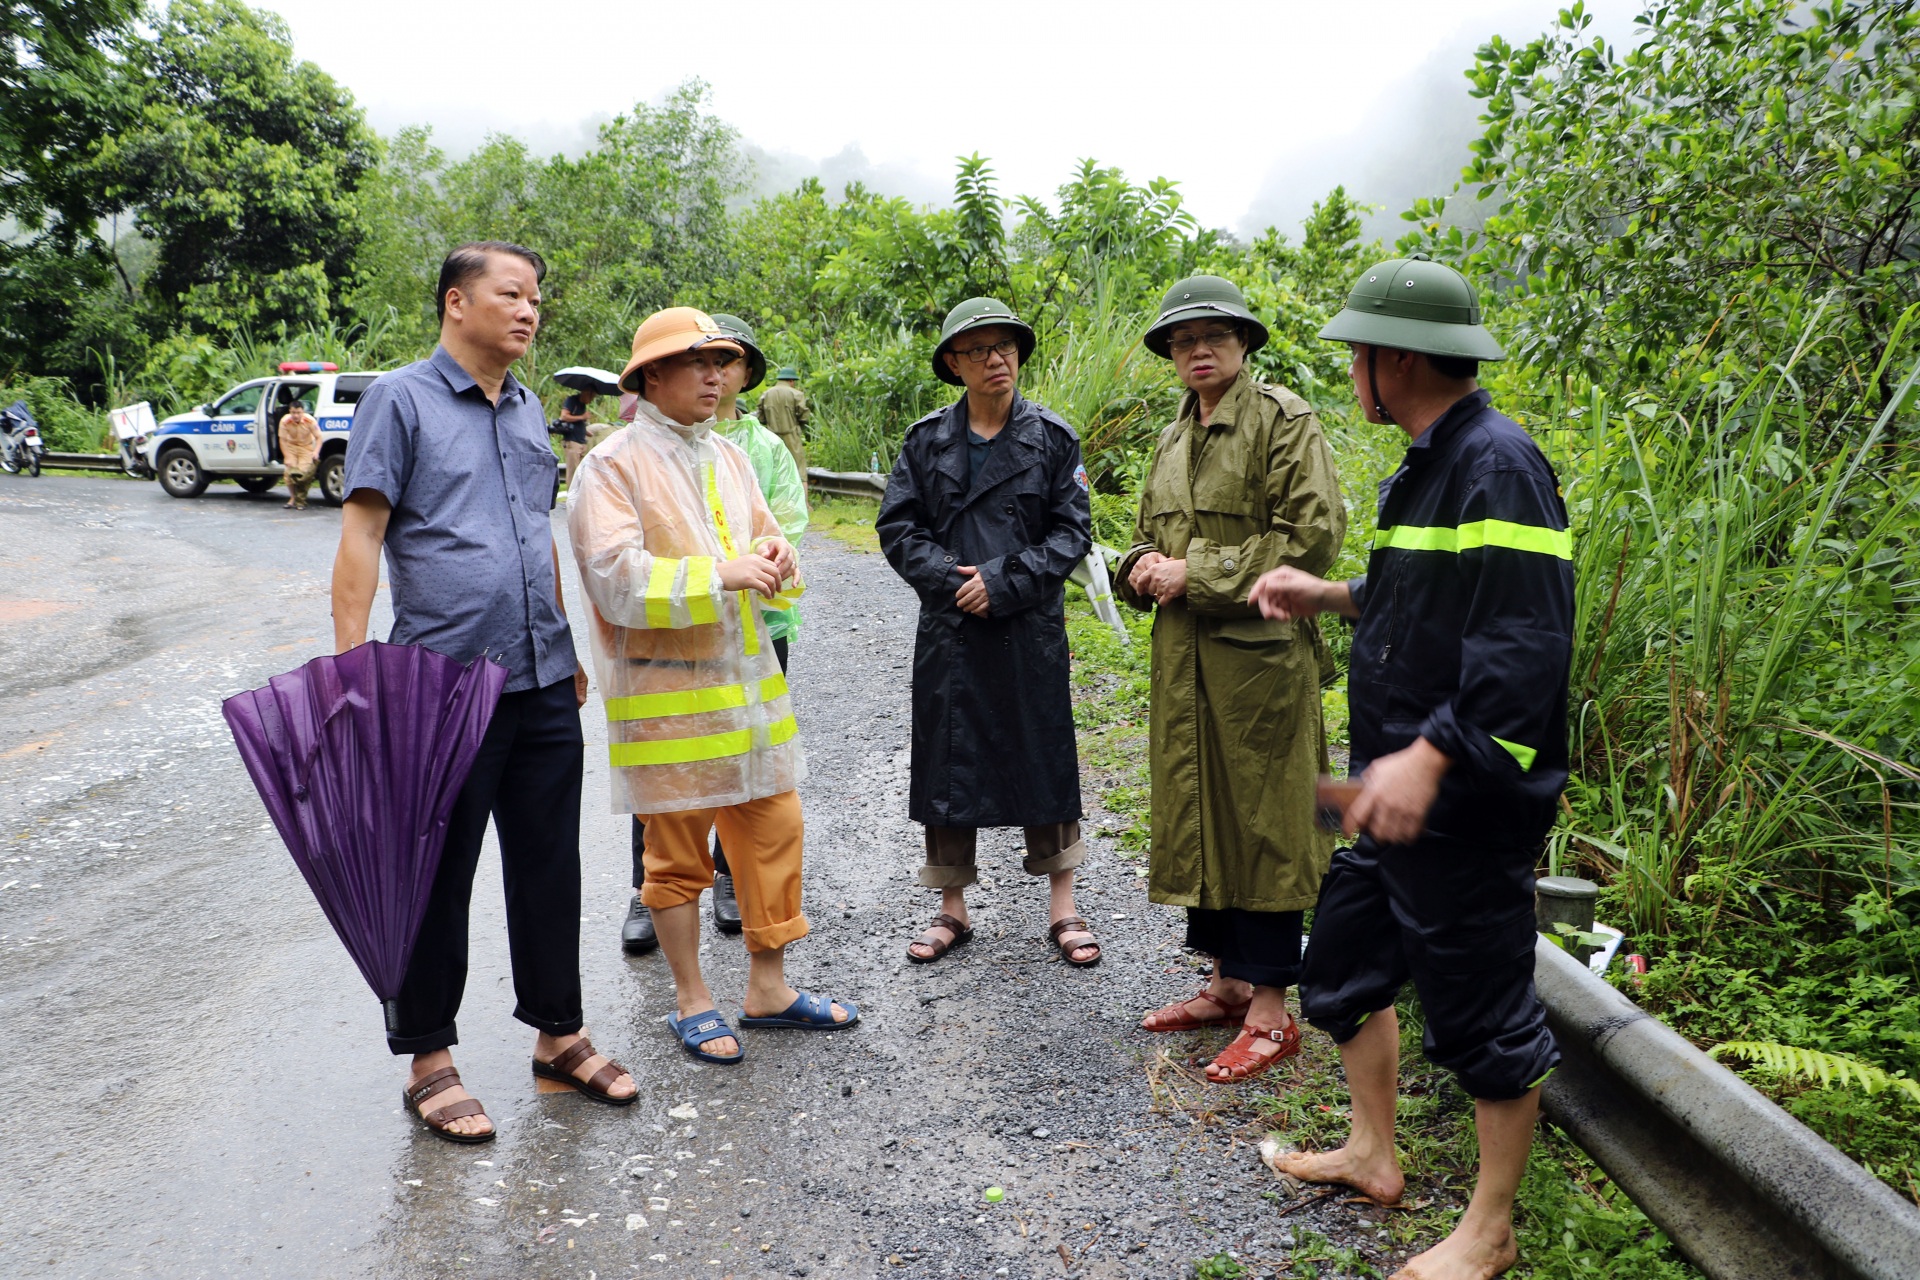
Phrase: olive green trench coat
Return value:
(1237, 740)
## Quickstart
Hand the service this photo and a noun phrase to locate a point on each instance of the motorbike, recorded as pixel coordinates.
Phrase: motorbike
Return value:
(21, 447)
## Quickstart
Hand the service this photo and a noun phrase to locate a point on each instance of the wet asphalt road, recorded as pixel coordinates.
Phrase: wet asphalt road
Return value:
(193, 1080)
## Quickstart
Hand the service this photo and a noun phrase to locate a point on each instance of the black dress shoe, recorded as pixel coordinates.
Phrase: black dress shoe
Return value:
(726, 908)
(636, 935)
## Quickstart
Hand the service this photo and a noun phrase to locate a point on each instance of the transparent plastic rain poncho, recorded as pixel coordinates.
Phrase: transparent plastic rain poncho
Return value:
(785, 491)
(697, 709)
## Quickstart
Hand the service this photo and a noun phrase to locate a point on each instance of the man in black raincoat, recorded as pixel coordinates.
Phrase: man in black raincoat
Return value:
(985, 516)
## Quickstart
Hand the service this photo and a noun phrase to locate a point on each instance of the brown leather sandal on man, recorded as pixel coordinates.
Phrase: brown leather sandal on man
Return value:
(962, 934)
(436, 1122)
(561, 1069)
(1074, 924)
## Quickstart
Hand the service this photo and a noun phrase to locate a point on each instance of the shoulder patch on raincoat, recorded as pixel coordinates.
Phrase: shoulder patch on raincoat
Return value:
(1290, 404)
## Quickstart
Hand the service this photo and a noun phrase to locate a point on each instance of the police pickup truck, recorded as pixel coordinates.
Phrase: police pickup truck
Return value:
(237, 437)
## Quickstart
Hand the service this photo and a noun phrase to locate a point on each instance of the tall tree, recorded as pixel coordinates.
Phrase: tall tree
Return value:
(242, 164)
(1698, 187)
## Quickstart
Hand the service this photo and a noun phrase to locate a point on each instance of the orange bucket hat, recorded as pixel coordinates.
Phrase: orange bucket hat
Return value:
(668, 333)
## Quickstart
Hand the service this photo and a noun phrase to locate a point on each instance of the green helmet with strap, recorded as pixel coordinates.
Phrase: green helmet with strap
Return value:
(978, 313)
(1415, 304)
(1203, 298)
(742, 332)
(787, 374)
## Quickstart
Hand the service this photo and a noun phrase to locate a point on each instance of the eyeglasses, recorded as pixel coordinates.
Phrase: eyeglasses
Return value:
(1212, 340)
(979, 354)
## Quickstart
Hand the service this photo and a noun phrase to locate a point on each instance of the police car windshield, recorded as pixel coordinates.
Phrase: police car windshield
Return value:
(243, 400)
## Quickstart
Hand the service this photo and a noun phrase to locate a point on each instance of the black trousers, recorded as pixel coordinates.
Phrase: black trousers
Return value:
(719, 854)
(527, 779)
(1261, 947)
(1454, 917)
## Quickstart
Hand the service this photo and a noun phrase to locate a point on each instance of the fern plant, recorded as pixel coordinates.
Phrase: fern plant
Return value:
(1818, 1067)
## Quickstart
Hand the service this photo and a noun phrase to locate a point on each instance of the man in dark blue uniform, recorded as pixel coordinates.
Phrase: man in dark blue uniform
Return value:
(1458, 691)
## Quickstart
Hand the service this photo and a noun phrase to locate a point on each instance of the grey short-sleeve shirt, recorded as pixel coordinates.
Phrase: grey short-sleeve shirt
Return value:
(469, 548)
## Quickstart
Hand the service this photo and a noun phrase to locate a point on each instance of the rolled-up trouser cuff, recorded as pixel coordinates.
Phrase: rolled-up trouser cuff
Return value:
(430, 1042)
(949, 877)
(775, 936)
(1043, 864)
(677, 893)
(563, 1027)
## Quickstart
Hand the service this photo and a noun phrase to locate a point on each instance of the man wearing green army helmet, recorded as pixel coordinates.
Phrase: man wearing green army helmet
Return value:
(985, 515)
(783, 410)
(1457, 694)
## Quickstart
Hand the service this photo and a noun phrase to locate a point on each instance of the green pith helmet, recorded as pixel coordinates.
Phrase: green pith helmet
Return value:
(787, 374)
(742, 332)
(1201, 298)
(1415, 304)
(977, 313)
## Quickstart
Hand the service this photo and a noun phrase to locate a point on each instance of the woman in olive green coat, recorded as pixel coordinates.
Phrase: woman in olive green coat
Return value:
(1241, 483)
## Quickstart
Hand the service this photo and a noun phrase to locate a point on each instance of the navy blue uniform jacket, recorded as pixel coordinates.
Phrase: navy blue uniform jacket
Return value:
(1465, 633)
(993, 742)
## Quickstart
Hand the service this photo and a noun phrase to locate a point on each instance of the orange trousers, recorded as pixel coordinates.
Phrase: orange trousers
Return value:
(762, 839)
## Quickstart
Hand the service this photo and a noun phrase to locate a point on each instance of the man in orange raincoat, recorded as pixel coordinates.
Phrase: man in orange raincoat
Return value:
(679, 556)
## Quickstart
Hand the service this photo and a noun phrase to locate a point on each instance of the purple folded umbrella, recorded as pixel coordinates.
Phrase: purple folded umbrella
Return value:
(359, 758)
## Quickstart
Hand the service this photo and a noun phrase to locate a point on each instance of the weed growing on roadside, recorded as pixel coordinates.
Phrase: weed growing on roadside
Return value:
(848, 521)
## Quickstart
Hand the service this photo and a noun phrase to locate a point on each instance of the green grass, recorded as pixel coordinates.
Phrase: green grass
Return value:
(848, 521)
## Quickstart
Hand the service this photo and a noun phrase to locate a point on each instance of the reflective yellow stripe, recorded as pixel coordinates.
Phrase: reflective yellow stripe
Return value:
(688, 702)
(700, 605)
(786, 599)
(750, 623)
(719, 512)
(660, 592)
(1525, 755)
(1480, 533)
(709, 746)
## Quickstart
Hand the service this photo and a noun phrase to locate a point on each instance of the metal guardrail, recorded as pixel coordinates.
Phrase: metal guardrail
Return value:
(81, 461)
(1742, 1188)
(847, 484)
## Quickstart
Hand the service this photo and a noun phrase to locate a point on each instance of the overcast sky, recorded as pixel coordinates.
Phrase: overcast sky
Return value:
(1256, 109)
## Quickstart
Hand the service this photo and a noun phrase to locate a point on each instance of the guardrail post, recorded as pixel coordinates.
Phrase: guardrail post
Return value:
(1565, 900)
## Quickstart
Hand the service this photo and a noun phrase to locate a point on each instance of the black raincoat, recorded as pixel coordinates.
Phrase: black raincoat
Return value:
(993, 741)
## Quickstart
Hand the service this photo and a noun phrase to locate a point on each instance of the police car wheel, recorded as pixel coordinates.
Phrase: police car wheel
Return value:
(180, 474)
(331, 479)
(257, 484)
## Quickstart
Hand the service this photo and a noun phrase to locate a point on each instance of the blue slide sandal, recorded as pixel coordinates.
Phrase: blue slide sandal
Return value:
(697, 1029)
(807, 1013)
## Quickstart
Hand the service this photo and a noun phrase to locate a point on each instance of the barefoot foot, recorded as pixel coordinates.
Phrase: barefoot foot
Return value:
(1464, 1255)
(1379, 1180)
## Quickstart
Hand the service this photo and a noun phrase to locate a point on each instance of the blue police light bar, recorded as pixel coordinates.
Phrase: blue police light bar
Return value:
(308, 366)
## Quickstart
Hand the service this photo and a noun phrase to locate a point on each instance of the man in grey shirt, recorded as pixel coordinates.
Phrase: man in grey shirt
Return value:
(449, 470)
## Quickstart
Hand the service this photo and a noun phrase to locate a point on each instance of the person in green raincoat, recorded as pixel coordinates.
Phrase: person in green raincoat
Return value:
(786, 494)
(1241, 482)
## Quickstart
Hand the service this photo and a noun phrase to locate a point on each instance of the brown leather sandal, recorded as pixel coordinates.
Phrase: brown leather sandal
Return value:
(1074, 924)
(1240, 1060)
(560, 1071)
(437, 1082)
(1177, 1017)
(962, 934)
